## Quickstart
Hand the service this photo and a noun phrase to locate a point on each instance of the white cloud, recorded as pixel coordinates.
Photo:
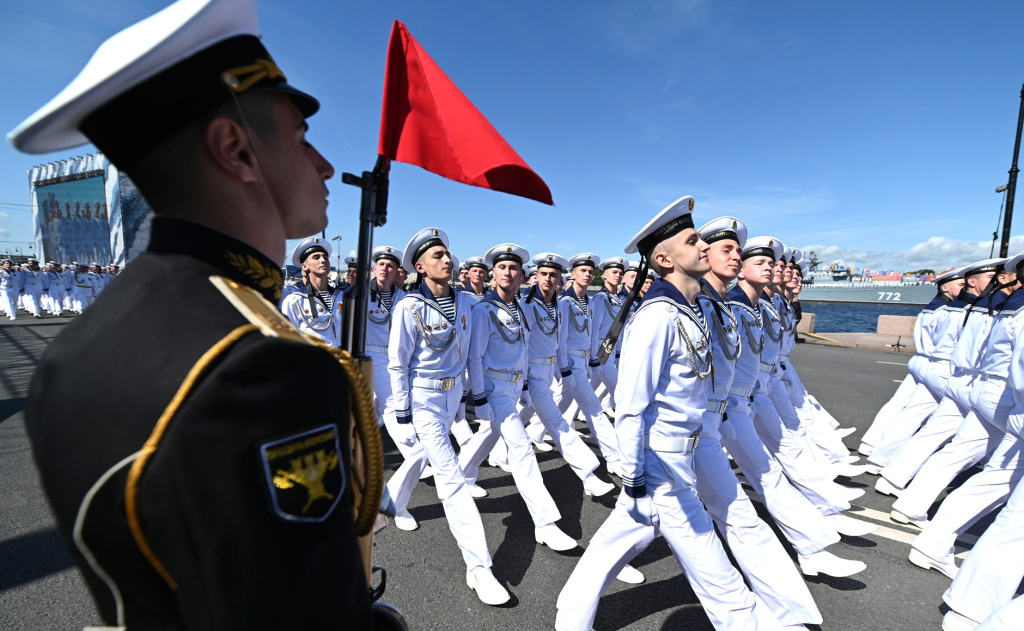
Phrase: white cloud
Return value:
(4, 233)
(4, 215)
(937, 253)
(640, 31)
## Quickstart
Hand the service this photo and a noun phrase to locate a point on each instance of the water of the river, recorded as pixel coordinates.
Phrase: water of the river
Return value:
(835, 317)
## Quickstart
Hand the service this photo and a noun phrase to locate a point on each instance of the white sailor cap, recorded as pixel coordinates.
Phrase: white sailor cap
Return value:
(2, 261)
(476, 261)
(552, 260)
(793, 255)
(675, 218)
(308, 246)
(803, 266)
(566, 278)
(957, 274)
(386, 252)
(762, 246)
(980, 267)
(530, 271)
(420, 243)
(613, 262)
(506, 252)
(633, 266)
(455, 261)
(722, 228)
(351, 259)
(584, 258)
(1013, 263)
(171, 69)
(653, 275)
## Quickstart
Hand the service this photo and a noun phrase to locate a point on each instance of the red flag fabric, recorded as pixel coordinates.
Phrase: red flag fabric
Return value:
(427, 121)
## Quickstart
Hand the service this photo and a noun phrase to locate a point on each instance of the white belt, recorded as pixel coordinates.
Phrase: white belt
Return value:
(447, 383)
(543, 361)
(583, 354)
(513, 377)
(991, 377)
(671, 444)
(743, 393)
(717, 407)
(767, 367)
(383, 350)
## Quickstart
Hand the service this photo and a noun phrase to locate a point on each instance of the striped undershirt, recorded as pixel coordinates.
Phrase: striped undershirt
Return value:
(386, 298)
(327, 297)
(447, 304)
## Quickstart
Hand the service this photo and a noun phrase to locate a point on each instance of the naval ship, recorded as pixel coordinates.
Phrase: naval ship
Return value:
(842, 284)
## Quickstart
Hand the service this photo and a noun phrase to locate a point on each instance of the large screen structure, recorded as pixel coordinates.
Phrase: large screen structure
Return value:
(85, 210)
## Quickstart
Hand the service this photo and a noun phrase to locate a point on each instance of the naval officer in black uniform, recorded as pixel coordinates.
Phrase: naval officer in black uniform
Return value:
(195, 493)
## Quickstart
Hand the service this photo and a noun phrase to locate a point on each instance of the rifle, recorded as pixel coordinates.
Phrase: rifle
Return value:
(367, 448)
(608, 345)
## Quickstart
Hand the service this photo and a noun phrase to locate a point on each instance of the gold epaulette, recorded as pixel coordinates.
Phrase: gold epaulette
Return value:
(259, 311)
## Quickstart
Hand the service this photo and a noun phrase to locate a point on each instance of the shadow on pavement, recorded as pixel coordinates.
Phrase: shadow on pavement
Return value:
(32, 556)
(10, 407)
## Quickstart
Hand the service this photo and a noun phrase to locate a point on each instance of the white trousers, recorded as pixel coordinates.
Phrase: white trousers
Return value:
(889, 411)
(432, 414)
(609, 379)
(801, 522)
(680, 517)
(581, 460)
(792, 451)
(978, 496)
(762, 559)
(405, 478)
(583, 393)
(939, 428)
(502, 397)
(931, 387)
(816, 421)
(979, 434)
(1006, 618)
(9, 302)
(989, 577)
(30, 301)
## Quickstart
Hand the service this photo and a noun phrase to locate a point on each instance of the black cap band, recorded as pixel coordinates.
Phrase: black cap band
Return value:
(420, 251)
(508, 256)
(950, 279)
(669, 230)
(987, 268)
(615, 266)
(582, 262)
(764, 251)
(721, 235)
(311, 249)
(387, 255)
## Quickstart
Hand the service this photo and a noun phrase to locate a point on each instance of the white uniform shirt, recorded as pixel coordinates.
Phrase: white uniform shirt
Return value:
(547, 337)
(379, 316)
(498, 342)
(664, 396)
(425, 344)
(327, 323)
(748, 320)
(578, 324)
(604, 308)
(725, 343)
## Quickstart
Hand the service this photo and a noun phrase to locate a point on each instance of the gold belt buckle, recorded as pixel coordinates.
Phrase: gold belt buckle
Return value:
(519, 376)
(447, 383)
(586, 353)
(696, 439)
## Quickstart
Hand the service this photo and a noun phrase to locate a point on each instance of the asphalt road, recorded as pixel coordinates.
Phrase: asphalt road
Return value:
(40, 589)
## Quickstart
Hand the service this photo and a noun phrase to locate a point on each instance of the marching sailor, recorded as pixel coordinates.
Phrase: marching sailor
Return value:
(316, 310)
(32, 288)
(427, 355)
(605, 306)
(476, 284)
(547, 354)
(498, 362)
(659, 413)
(575, 309)
(948, 286)
(10, 287)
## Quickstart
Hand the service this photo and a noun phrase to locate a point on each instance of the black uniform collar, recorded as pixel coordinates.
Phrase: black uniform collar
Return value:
(235, 259)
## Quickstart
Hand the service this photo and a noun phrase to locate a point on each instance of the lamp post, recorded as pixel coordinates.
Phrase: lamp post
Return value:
(337, 242)
(1004, 246)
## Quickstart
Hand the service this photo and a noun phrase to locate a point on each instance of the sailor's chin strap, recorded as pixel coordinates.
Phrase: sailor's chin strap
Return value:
(989, 292)
(310, 293)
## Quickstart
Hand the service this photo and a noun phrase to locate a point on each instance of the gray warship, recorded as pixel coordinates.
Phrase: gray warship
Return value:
(842, 284)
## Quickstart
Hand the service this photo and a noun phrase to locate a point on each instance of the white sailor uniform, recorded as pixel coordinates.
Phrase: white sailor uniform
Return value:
(762, 559)
(604, 308)
(497, 373)
(83, 290)
(779, 428)
(427, 354)
(10, 287)
(576, 328)
(547, 353)
(803, 524)
(32, 288)
(983, 492)
(326, 324)
(945, 328)
(666, 352)
(956, 403)
(924, 343)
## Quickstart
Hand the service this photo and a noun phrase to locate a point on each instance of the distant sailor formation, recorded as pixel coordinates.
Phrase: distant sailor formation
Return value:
(677, 361)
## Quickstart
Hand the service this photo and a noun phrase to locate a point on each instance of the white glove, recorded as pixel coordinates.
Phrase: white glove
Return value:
(526, 399)
(727, 430)
(403, 433)
(596, 369)
(569, 381)
(484, 412)
(640, 509)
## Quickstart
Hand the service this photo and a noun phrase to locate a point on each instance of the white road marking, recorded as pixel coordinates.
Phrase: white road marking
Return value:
(890, 363)
(897, 381)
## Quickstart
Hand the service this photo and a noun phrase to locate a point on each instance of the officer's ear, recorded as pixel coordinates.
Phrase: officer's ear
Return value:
(229, 146)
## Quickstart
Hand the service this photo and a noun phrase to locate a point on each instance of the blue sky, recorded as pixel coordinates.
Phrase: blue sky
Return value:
(874, 133)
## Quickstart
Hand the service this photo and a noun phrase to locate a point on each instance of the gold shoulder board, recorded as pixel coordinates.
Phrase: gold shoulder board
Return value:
(258, 310)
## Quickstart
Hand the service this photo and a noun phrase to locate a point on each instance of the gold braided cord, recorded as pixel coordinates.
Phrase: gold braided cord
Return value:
(367, 446)
(153, 443)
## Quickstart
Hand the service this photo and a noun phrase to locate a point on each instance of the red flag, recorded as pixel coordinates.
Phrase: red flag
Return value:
(427, 121)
